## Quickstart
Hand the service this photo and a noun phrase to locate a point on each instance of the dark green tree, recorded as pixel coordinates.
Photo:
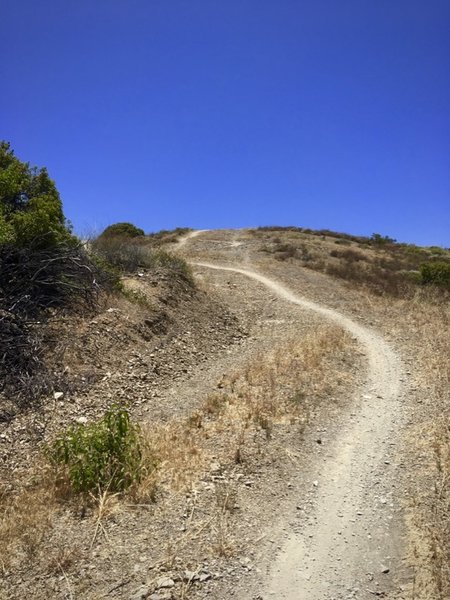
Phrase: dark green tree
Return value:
(31, 211)
(381, 240)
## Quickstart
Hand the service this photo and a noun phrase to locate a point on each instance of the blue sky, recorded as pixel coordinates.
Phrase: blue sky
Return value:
(234, 113)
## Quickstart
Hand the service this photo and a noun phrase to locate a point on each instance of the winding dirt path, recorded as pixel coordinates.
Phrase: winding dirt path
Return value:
(192, 234)
(351, 545)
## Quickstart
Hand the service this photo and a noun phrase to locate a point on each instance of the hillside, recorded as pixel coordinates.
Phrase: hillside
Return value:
(293, 411)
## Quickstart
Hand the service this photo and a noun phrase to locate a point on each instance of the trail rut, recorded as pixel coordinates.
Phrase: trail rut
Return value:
(350, 545)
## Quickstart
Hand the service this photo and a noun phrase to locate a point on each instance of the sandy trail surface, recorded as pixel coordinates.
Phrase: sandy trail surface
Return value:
(351, 543)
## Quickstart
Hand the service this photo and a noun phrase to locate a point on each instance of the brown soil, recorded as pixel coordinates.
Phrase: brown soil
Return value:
(306, 504)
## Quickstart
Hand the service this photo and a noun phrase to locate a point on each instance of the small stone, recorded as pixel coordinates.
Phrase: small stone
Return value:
(81, 420)
(140, 594)
(161, 596)
(204, 577)
(58, 395)
(315, 483)
(165, 582)
(385, 570)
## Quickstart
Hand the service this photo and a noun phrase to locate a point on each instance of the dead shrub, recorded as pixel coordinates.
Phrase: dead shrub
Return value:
(285, 251)
(37, 283)
(348, 255)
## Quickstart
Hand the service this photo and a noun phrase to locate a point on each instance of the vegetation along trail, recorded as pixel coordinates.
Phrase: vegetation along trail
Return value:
(353, 537)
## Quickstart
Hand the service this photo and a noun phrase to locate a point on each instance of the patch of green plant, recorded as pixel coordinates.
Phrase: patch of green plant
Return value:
(128, 255)
(103, 455)
(123, 230)
(436, 273)
(106, 267)
(411, 249)
(167, 236)
(298, 398)
(173, 263)
(135, 297)
(438, 250)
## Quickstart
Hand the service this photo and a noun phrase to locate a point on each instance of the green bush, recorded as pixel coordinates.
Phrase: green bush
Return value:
(103, 455)
(437, 273)
(126, 230)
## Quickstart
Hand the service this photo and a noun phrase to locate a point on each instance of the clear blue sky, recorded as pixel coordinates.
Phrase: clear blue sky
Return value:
(235, 113)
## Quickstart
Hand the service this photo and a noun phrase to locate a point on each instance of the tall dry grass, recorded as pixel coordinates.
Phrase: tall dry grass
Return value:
(230, 427)
(421, 322)
(277, 388)
(430, 518)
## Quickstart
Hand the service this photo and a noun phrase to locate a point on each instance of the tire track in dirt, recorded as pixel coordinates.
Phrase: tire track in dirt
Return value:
(351, 544)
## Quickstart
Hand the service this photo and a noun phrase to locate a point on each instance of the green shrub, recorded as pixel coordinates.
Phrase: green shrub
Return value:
(436, 273)
(103, 455)
(437, 250)
(126, 230)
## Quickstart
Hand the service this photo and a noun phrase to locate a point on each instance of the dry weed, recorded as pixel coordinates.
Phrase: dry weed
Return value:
(232, 425)
(424, 319)
(431, 518)
(275, 389)
(25, 521)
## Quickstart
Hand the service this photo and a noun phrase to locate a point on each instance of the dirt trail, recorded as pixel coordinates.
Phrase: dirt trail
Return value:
(351, 545)
(192, 234)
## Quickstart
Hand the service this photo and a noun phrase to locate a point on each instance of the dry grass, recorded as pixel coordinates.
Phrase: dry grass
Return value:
(421, 314)
(423, 322)
(383, 267)
(231, 428)
(25, 520)
(430, 519)
(272, 390)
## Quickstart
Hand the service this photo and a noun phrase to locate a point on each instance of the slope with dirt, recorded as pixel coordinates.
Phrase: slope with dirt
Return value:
(301, 500)
(352, 541)
(350, 538)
